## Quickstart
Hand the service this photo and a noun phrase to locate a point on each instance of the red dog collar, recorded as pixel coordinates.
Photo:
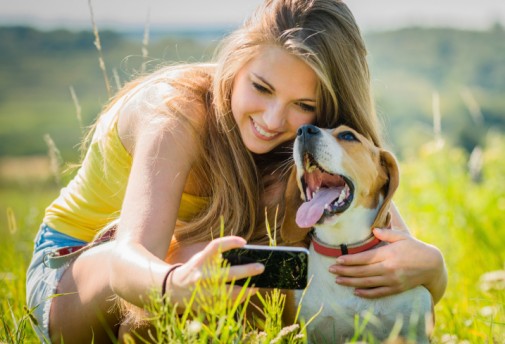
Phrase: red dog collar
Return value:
(343, 249)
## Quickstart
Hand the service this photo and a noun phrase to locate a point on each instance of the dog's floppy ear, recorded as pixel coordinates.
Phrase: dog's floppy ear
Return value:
(390, 165)
(290, 232)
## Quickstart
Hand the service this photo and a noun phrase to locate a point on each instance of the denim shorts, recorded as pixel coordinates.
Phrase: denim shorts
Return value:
(41, 281)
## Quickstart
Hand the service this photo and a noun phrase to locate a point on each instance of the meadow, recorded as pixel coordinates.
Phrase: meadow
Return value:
(445, 203)
(449, 198)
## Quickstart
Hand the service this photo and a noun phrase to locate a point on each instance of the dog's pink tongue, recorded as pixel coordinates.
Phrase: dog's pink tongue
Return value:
(310, 212)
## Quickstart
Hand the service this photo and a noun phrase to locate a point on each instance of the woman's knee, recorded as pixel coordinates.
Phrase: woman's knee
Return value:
(84, 307)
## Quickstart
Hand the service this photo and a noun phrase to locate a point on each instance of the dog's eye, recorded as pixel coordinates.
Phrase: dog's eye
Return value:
(347, 136)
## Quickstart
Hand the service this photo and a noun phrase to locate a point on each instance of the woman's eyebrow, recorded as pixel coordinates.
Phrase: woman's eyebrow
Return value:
(263, 81)
(306, 100)
(273, 88)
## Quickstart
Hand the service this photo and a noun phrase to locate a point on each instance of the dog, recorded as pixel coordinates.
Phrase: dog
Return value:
(340, 188)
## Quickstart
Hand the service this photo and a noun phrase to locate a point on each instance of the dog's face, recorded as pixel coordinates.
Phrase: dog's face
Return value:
(335, 171)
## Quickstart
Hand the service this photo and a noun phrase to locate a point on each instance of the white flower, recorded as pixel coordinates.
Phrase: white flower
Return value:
(493, 280)
(488, 311)
(194, 327)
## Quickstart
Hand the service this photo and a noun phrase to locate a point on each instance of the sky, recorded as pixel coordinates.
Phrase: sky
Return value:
(370, 14)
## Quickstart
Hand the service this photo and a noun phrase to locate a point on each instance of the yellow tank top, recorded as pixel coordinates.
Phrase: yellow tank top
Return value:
(94, 196)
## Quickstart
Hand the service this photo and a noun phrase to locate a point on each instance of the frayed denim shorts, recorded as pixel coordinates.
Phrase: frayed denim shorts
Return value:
(41, 281)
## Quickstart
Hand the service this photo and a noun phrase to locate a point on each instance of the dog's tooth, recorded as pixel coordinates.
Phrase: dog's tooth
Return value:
(347, 190)
(341, 197)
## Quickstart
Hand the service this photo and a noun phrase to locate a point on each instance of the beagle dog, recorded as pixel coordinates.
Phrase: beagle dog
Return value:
(340, 188)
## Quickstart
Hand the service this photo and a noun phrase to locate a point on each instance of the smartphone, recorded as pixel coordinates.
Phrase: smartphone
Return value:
(285, 267)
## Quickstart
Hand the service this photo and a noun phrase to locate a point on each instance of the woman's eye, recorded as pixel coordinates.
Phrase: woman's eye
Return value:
(347, 136)
(260, 88)
(307, 107)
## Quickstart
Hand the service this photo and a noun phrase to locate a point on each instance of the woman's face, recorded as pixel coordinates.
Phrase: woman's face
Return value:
(273, 95)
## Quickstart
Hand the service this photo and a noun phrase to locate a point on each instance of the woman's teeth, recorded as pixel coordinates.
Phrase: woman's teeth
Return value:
(262, 131)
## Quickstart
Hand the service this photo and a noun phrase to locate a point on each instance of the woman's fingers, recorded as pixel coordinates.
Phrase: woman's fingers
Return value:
(390, 235)
(374, 293)
(372, 256)
(184, 279)
(395, 279)
(373, 286)
(374, 269)
(362, 282)
(223, 244)
(195, 269)
(392, 268)
(375, 255)
(243, 271)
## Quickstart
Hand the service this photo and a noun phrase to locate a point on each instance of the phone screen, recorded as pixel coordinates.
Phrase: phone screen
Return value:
(285, 267)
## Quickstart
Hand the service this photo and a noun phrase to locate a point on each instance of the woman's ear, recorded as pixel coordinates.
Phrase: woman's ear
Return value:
(390, 166)
(290, 232)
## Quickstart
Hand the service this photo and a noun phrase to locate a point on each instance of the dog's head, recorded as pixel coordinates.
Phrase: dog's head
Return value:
(335, 171)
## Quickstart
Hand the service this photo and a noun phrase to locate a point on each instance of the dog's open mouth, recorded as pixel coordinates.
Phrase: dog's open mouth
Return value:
(326, 194)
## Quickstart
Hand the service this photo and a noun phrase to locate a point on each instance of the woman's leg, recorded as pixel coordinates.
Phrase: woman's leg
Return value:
(86, 309)
(90, 310)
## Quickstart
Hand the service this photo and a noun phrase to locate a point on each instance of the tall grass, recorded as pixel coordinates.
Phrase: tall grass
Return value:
(464, 218)
(22, 203)
(437, 196)
(211, 315)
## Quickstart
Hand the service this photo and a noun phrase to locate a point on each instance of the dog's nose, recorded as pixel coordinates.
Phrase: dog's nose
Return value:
(307, 131)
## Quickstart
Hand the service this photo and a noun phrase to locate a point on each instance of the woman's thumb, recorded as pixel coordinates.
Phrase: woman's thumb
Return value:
(389, 235)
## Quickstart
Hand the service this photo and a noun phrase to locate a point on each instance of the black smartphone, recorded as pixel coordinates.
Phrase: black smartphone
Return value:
(285, 267)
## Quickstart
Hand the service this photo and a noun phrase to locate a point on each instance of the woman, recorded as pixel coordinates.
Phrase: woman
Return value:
(177, 149)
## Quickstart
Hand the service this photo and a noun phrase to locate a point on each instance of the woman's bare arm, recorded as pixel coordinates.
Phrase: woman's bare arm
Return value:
(162, 159)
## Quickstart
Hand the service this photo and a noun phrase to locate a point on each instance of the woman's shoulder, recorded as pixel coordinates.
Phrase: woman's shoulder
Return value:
(169, 96)
(192, 77)
(170, 81)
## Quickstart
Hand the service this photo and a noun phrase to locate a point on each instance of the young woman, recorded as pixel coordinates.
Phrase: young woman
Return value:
(176, 150)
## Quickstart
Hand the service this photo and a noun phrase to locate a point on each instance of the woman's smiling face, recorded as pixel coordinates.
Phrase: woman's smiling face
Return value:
(273, 95)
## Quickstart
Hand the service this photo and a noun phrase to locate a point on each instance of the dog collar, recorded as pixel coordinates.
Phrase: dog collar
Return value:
(343, 249)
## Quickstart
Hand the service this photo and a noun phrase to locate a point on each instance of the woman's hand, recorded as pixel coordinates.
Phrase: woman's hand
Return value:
(403, 264)
(182, 281)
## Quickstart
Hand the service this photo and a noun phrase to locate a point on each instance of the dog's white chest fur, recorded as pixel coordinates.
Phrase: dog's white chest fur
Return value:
(339, 307)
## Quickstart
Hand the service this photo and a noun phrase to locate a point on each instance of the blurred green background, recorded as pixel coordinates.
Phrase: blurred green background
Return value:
(411, 67)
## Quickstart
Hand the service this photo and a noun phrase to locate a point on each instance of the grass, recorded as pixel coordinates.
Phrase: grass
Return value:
(211, 316)
(21, 206)
(438, 198)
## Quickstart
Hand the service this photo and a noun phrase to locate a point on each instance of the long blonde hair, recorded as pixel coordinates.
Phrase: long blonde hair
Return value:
(324, 34)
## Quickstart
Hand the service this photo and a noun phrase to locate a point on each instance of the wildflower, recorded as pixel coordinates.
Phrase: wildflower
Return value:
(488, 311)
(299, 336)
(194, 327)
(493, 280)
(449, 339)
(284, 332)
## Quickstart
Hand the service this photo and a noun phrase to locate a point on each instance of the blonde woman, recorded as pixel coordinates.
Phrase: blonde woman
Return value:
(177, 149)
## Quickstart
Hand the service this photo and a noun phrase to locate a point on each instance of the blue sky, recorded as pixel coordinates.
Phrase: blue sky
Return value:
(370, 14)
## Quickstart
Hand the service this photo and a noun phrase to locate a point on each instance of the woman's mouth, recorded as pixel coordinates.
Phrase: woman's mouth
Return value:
(262, 132)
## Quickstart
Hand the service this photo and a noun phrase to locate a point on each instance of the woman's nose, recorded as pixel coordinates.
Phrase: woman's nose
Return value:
(274, 116)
